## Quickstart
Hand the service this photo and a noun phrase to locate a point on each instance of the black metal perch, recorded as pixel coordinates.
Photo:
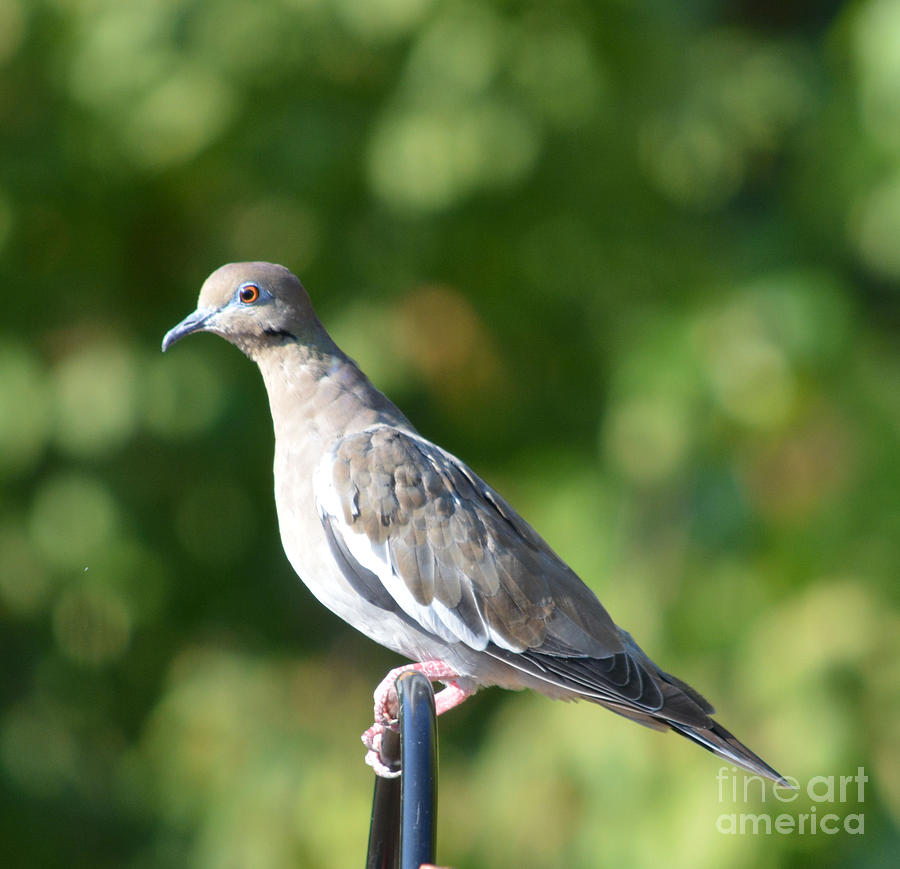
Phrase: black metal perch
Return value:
(404, 809)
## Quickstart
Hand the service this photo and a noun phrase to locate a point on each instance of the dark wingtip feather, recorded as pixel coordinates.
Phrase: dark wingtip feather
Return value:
(727, 746)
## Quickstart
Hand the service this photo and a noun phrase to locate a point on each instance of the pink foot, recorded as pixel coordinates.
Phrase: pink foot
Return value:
(387, 706)
(372, 739)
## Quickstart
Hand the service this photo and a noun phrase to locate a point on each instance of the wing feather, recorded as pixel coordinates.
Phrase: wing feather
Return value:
(420, 533)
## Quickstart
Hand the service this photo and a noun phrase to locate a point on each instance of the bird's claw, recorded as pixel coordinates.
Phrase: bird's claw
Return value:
(386, 711)
(387, 707)
(373, 739)
(381, 769)
(387, 703)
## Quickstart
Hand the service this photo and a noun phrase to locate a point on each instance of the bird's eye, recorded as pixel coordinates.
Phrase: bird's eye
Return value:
(248, 293)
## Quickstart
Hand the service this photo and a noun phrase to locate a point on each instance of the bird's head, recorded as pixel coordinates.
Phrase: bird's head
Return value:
(253, 305)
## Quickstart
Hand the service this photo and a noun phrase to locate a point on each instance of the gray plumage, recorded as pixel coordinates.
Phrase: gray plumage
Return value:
(406, 543)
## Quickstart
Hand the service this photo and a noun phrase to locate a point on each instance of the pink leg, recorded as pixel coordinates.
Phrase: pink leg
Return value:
(387, 705)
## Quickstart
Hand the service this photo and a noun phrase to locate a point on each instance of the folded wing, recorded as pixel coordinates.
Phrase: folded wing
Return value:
(417, 532)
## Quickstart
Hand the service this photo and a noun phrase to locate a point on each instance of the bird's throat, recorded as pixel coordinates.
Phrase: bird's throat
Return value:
(322, 392)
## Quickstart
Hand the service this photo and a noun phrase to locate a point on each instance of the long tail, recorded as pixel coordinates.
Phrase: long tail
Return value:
(679, 713)
(631, 685)
(725, 745)
(710, 735)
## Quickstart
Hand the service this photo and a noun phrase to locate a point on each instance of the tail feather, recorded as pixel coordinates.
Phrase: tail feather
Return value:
(710, 735)
(642, 692)
(725, 745)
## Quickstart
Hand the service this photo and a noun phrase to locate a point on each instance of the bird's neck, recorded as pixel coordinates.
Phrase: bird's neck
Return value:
(317, 393)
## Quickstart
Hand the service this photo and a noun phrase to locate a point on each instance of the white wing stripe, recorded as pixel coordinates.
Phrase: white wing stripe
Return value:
(436, 617)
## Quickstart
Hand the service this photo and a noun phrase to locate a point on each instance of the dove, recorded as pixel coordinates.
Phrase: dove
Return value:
(407, 544)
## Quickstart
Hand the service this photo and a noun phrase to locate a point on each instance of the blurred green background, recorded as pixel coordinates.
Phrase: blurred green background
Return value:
(637, 263)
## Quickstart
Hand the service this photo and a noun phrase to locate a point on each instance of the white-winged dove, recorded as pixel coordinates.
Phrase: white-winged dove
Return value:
(402, 540)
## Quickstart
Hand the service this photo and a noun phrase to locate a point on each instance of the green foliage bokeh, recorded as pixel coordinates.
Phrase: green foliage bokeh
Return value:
(636, 263)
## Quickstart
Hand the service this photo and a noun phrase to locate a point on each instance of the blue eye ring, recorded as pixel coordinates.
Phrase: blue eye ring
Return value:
(248, 293)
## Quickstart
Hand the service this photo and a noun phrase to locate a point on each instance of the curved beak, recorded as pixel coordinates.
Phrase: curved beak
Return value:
(196, 322)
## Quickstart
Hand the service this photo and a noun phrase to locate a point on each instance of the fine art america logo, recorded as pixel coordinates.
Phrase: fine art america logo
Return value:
(828, 804)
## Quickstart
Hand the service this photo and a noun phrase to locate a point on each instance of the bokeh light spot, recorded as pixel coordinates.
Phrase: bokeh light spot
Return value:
(73, 516)
(786, 671)
(739, 99)
(24, 584)
(793, 476)
(428, 159)
(95, 398)
(178, 118)
(749, 374)
(24, 409)
(119, 50)
(377, 20)
(422, 161)
(805, 311)
(455, 58)
(691, 160)
(875, 227)
(876, 34)
(223, 31)
(183, 393)
(647, 438)
(556, 67)
(224, 744)
(160, 104)
(448, 344)
(363, 325)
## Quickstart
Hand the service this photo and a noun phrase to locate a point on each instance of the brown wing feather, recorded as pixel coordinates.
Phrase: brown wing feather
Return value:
(452, 539)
